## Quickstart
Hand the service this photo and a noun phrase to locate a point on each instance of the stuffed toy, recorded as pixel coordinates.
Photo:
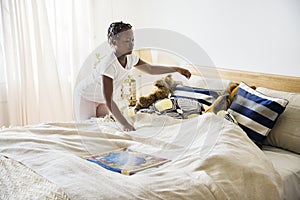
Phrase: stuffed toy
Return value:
(223, 102)
(232, 90)
(164, 87)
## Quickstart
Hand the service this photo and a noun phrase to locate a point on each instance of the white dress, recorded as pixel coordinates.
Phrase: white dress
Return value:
(89, 92)
(91, 87)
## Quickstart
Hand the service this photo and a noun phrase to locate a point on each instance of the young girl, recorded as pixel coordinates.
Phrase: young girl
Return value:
(95, 97)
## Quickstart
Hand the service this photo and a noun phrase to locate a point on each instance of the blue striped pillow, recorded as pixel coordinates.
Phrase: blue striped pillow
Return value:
(204, 96)
(255, 112)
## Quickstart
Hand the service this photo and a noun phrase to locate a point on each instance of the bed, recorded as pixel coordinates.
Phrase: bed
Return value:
(211, 157)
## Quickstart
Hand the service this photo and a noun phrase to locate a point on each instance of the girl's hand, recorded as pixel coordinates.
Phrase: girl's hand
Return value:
(184, 72)
(128, 127)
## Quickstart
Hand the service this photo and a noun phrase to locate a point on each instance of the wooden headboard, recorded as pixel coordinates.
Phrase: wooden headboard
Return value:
(272, 81)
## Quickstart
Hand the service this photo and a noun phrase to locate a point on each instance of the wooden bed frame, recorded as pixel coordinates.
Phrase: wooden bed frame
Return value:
(272, 81)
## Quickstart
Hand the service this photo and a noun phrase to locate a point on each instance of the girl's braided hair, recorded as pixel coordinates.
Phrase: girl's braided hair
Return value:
(115, 28)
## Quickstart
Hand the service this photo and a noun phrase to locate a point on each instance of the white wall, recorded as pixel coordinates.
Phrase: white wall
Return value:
(252, 35)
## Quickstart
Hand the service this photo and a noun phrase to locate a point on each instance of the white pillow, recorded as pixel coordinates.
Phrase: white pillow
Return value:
(286, 132)
(208, 83)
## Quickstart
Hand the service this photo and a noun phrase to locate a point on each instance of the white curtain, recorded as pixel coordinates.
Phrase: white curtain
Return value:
(45, 43)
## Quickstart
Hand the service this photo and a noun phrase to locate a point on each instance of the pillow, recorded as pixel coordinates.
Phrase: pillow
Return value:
(207, 83)
(204, 96)
(255, 112)
(286, 132)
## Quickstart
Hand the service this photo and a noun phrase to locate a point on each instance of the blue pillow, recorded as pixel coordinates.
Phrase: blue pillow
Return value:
(204, 96)
(255, 112)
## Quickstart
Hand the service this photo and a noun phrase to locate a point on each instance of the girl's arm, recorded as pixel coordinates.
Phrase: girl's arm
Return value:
(154, 69)
(112, 106)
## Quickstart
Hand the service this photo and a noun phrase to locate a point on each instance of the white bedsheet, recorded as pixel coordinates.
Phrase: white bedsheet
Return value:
(288, 165)
(211, 159)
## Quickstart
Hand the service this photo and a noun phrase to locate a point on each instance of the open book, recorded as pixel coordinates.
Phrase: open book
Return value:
(126, 161)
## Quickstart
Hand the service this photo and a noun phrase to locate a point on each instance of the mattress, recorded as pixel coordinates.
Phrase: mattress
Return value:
(288, 166)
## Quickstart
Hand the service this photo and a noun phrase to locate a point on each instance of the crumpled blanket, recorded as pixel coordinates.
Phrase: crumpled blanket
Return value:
(20, 182)
(211, 158)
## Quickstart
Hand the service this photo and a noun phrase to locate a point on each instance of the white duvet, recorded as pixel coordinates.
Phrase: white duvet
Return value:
(212, 158)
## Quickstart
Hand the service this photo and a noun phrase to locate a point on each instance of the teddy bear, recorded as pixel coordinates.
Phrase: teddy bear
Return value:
(221, 103)
(224, 101)
(232, 90)
(163, 88)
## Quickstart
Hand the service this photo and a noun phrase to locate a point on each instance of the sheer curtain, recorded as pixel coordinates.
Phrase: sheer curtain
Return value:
(45, 42)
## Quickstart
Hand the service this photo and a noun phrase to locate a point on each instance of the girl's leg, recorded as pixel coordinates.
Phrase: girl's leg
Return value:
(102, 110)
(84, 109)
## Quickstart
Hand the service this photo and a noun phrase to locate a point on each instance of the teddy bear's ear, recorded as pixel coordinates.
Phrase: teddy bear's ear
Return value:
(231, 87)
